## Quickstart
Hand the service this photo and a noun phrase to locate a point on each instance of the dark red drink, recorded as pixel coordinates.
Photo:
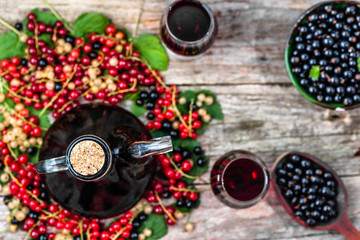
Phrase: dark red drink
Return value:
(243, 179)
(188, 28)
(239, 179)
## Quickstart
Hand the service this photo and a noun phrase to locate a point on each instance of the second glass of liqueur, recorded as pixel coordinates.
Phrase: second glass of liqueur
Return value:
(188, 29)
(239, 179)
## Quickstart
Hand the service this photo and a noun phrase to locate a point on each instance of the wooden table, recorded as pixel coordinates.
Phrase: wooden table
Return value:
(264, 113)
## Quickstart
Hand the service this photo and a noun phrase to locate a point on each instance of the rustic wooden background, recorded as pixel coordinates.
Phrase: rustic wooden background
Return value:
(263, 112)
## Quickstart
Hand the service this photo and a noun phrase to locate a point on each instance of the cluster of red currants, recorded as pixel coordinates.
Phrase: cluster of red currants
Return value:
(55, 76)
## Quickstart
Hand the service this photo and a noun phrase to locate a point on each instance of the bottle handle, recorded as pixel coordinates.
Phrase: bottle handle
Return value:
(147, 148)
(51, 165)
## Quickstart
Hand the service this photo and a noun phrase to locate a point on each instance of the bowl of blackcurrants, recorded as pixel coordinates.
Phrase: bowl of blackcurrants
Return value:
(312, 193)
(322, 54)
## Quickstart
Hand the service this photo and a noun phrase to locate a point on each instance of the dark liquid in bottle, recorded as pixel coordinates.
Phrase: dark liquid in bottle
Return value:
(243, 179)
(189, 30)
(125, 183)
(188, 21)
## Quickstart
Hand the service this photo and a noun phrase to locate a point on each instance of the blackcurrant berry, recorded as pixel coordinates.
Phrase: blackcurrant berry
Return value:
(139, 102)
(58, 87)
(69, 39)
(92, 55)
(185, 153)
(180, 203)
(143, 95)
(19, 26)
(166, 194)
(44, 237)
(154, 95)
(24, 62)
(198, 150)
(42, 62)
(142, 217)
(150, 116)
(200, 162)
(96, 46)
(136, 224)
(31, 150)
(190, 204)
(150, 105)
(174, 133)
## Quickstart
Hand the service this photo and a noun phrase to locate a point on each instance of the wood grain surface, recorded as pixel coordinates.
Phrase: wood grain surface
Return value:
(263, 112)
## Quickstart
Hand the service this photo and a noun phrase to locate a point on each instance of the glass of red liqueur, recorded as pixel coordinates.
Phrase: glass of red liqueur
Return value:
(239, 179)
(188, 29)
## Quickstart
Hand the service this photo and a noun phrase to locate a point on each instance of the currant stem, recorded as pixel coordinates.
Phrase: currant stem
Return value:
(52, 10)
(138, 16)
(10, 27)
(163, 207)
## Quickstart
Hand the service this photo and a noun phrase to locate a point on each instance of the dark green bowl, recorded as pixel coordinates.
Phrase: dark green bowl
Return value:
(289, 46)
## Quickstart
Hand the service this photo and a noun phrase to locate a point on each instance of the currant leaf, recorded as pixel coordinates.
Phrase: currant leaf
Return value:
(157, 224)
(10, 46)
(152, 51)
(90, 22)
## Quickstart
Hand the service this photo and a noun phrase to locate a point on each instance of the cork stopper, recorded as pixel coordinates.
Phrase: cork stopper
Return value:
(87, 157)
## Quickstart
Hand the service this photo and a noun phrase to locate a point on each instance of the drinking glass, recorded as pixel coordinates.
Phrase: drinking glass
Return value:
(188, 29)
(239, 179)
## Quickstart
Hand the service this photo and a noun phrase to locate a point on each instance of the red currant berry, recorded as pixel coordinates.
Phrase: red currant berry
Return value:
(31, 16)
(35, 132)
(177, 157)
(169, 172)
(186, 165)
(193, 196)
(110, 29)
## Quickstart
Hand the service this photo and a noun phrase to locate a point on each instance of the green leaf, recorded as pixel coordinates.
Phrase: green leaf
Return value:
(157, 224)
(188, 95)
(358, 63)
(10, 46)
(186, 143)
(152, 51)
(214, 110)
(8, 101)
(43, 119)
(44, 17)
(47, 39)
(158, 133)
(138, 110)
(90, 22)
(315, 72)
(35, 157)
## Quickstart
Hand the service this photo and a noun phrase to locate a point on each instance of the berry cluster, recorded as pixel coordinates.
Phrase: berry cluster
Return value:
(58, 70)
(327, 43)
(19, 130)
(103, 67)
(308, 188)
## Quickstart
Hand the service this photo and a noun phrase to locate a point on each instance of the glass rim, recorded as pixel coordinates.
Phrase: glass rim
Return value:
(189, 43)
(265, 171)
(107, 163)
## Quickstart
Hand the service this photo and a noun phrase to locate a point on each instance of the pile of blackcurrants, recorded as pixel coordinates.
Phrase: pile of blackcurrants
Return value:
(324, 55)
(308, 188)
